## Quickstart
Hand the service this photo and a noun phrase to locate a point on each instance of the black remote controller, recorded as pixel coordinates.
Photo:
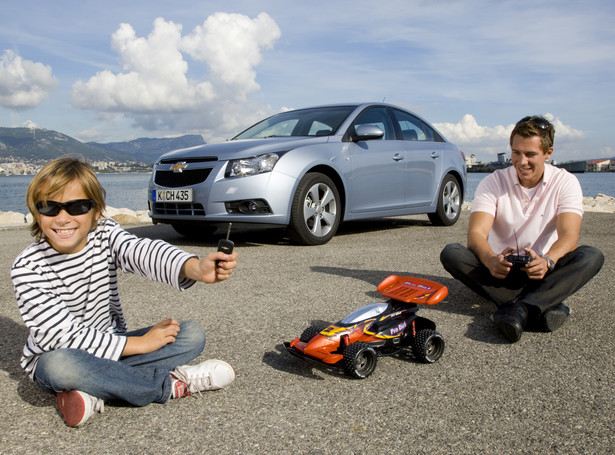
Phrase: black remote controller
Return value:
(518, 259)
(226, 245)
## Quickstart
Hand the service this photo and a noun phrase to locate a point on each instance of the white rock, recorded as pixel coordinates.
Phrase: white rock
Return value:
(122, 216)
(11, 218)
(127, 216)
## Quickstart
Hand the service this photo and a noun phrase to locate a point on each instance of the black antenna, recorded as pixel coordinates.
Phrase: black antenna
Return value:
(516, 241)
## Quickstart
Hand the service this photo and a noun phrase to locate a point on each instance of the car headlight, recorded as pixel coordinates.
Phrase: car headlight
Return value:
(252, 166)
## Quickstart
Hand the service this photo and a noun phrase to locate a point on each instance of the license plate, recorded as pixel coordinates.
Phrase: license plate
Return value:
(172, 195)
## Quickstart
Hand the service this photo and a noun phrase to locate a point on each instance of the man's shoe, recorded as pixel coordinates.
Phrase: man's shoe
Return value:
(77, 407)
(554, 317)
(511, 320)
(209, 375)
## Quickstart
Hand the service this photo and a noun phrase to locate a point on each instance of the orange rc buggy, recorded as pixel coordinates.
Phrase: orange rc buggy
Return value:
(355, 342)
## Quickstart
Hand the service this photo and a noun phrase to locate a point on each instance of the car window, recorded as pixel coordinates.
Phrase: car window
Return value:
(411, 127)
(320, 129)
(377, 116)
(322, 121)
(432, 135)
(278, 129)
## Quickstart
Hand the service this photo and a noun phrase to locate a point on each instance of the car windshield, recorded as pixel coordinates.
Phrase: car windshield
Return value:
(323, 121)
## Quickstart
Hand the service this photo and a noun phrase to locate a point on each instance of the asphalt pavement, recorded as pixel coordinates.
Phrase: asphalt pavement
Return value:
(547, 394)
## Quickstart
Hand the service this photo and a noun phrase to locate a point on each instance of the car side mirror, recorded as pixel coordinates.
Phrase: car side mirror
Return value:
(366, 133)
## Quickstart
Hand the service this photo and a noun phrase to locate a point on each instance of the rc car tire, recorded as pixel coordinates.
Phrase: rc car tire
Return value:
(360, 360)
(316, 210)
(427, 346)
(311, 332)
(449, 203)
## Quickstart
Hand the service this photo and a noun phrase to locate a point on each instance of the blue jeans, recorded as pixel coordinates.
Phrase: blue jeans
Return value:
(571, 273)
(138, 379)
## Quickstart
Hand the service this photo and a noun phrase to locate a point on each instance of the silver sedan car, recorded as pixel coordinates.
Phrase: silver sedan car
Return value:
(311, 169)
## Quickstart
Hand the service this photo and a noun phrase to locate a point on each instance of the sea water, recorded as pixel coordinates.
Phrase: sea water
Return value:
(130, 190)
(123, 191)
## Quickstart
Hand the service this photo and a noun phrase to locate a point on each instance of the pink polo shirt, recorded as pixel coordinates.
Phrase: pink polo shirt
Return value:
(532, 218)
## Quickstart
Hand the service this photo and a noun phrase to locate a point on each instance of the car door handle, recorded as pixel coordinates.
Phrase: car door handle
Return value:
(435, 155)
(398, 157)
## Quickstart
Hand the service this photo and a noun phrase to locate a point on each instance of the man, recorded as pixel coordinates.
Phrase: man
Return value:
(532, 210)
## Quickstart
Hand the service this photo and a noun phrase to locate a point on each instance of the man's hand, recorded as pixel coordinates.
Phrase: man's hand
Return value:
(498, 266)
(537, 268)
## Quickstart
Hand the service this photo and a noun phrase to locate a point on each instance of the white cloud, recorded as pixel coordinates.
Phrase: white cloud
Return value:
(231, 45)
(487, 141)
(468, 131)
(29, 124)
(155, 89)
(23, 84)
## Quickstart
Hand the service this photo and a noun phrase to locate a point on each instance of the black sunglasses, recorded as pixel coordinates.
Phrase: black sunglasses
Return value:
(538, 121)
(76, 207)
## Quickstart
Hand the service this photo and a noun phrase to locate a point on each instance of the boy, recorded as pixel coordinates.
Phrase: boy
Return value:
(66, 288)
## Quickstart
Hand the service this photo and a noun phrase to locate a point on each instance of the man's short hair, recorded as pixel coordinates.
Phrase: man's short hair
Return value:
(535, 125)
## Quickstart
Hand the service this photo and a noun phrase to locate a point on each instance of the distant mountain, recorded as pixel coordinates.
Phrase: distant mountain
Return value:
(148, 150)
(36, 145)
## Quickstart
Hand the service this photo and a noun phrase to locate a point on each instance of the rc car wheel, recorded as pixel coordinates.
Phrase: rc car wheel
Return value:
(427, 346)
(316, 210)
(311, 332)
(360, 360)
(449, 203)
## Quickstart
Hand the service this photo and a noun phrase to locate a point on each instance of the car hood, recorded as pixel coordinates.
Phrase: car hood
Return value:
(244, 148)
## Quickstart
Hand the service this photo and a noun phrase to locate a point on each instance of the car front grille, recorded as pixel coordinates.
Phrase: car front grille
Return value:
(172, 179)
(178, 208)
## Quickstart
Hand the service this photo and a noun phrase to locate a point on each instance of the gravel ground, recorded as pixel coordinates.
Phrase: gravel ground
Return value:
(547, 394)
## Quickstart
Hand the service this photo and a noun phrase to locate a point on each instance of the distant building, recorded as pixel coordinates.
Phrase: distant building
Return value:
(477, 166)
(471, 160)
(599, 165)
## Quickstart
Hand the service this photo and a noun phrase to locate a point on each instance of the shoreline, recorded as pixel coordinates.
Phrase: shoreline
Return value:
(601, 203)
(121, 215)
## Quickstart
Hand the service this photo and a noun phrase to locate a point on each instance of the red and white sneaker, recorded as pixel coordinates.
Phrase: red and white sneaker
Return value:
(77, 407)
(209, 375)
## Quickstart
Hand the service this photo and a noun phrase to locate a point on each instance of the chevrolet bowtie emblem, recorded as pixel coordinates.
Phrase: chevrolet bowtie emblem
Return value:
(178, 167)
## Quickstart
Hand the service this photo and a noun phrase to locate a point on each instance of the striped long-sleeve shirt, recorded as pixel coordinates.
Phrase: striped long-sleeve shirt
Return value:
(72, 300)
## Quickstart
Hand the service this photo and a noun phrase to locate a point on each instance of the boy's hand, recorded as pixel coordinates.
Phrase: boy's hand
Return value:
(158, 336)
(216, 266)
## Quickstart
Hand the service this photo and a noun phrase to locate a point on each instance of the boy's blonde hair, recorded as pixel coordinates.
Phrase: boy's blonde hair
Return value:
(53, 178)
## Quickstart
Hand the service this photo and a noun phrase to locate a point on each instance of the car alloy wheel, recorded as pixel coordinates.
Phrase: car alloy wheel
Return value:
(449, 203)
(316, 210)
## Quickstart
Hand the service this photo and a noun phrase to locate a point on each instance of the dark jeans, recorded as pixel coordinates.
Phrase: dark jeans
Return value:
(137, 379)
(571, 273)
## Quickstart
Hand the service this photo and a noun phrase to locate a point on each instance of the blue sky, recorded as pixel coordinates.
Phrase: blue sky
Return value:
(118, 70)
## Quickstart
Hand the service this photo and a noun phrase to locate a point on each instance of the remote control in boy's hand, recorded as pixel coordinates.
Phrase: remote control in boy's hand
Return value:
(226, 245)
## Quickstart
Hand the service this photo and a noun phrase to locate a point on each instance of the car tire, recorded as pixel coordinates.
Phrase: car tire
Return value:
(316, 210)
(312, 331)
(360, 360)
(196, 231)
(449, 203)
(427, 346)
